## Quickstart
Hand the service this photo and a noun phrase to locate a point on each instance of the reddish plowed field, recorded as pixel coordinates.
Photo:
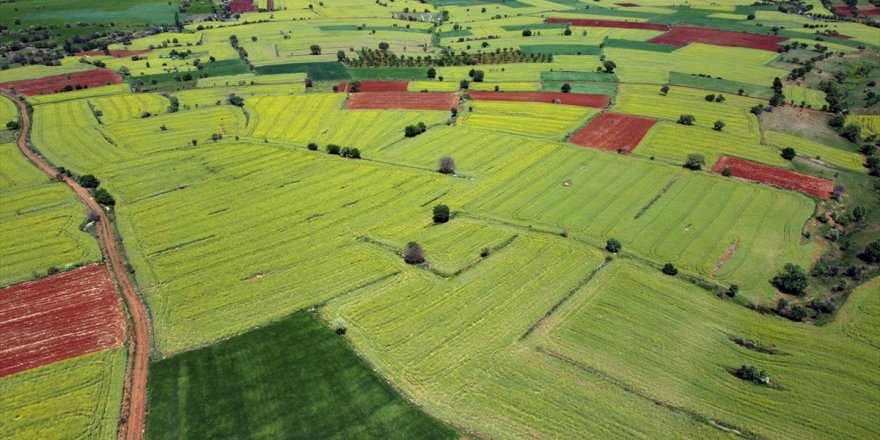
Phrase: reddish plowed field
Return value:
(113, 53)
(770, 175)
(610, 24)
(578, 99)
(57, 318)
(377, 86)
(239, 6)
(870, 11)
(613, 132)
(56, 83)
(684, 35)
(402, 101)
(843, 10)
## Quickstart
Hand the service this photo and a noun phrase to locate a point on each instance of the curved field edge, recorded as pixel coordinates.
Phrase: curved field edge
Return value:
(297, 362)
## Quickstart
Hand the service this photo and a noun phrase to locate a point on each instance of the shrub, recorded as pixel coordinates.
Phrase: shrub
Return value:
(415, 129)
(871, 254)
(13, 125)
(354, 153)
(413, 253)
(613, 245)
(333, 149)
(446, 165)
(432, 73)
(235, 100)
(441, 214)
(478, 76)
(757, 110)
(485, 252)
(788, 153)
(710, 97)
(103, 197)
(727, 172)
(52, 270)
(313, 146)
(464, 84)
(315, 49)
(695, 161)
(792, 280)
(719, 125)
(868, 149)
(720, 98)
(752, 373)
(687, 119)
(609, 66)
(88, 181)
(732, 290)
(664, 90)
(526, 33)
(566, 88)
(670, 269)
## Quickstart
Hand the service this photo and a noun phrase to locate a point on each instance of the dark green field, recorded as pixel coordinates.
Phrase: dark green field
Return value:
(98, 11)
(293, 379)
(317, 71)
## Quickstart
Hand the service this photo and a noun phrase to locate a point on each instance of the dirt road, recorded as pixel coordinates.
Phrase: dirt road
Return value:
(131, 423)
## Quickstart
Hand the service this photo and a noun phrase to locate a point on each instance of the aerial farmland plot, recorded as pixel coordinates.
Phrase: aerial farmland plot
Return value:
(441, 219)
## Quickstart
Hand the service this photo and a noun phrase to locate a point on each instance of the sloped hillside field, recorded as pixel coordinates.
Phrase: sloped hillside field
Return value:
(500, 219)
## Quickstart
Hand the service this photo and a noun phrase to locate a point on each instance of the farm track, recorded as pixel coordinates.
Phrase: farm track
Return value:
(133, 408)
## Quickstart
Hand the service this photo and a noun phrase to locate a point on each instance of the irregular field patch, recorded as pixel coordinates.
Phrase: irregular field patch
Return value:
(684, 35)
(113, 53)
(578, 99)
(57, 83)
(613, 132)
(402, 100)
(58, 317)
(375, 86)
(295, 377)
(785, 179)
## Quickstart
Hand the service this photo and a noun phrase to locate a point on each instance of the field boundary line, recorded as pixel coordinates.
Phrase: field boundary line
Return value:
(133, 406)
(657, 196)
(583, 282)
(717, 424)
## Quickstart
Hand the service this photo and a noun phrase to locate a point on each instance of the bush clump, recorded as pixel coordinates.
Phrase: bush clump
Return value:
(792, 280)
(441, 214)
(613, 245)
(446, 165)
(753, 374)
(413, 253)
(670, 269)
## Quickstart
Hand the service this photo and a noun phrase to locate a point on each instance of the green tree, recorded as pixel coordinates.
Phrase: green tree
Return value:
(441, 214)
(609, 66)
(478, 76)
(315, 49)
(695, 161)
(446, 165)
(871, 254)
(788, 153)
(526, 33)
(687, 119)
(383, 46)
(103, 197)
(670, 269)
(613, 245)
(719, 125)
(792, 280)
(432, 73)
(340, 56)
(88, 181)
(566, 88)
(413, 253)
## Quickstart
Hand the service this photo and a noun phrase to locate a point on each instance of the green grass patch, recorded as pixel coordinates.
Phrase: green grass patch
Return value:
(317, 71)
(561, 49)
(216, 68)
(639, 45)
(508, 3)
(402, 73)
(356, 27)
(534, 26)
(720, 85)
(293, 378)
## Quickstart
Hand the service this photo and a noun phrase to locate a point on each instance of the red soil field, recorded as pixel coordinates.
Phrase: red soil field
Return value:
(239, 6)
(112, 53)
(578, 99)
(843, 10)
(57, 318)
(377, 86)
(869, 11)
(402, 101)
(56, 83)
(684, 35)
(270, 5)
(613, 132)
(610, 24)
(758, 172)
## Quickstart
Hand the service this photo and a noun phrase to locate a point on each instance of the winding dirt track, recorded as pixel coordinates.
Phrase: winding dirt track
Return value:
(131, 422)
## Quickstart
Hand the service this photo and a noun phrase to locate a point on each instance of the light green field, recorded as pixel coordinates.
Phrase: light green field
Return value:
(113, 89)
(870, 124)
(320, 118)
(8, 112)
(646, 100)
(797, 95)
(806, 147)
(40, 71)
(526, 118)
(74, 398)
(39, 222)
(121, 108)
(674, 142)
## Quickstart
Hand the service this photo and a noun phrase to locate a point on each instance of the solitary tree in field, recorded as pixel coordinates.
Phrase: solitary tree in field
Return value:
(526, 33)
(478, 76)
(664, 90)
(609, 66)
(383, 46)
(719, 125)
(446, 165)
(441, 214)
(613, 245)
(788, 153)
(413, 253)
(566, 88)
(670, 269)
(464, 84)
(566, 32)
(686, 120)
(792, 280)
(695, 161)
(315, 49)
(432, 73)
